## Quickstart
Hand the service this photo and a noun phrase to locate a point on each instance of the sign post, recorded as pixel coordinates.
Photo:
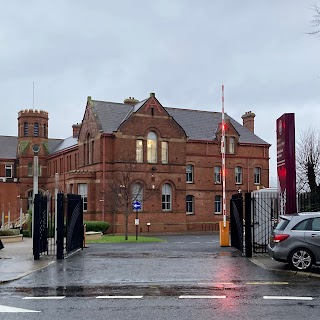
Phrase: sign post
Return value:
(137, 207)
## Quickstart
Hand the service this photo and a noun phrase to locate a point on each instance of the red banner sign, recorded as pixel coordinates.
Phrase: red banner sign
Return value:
(286, 163)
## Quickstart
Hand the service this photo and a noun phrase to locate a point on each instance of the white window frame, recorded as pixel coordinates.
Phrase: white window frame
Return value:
(218, 204)
(231, 145)
(83, 192)
(190, 203)
(238, 174)
(139, 150)
(257, 175)
(152, 149)
(217, 174)
(189, 173)
(30, 169)
(164, 152)
(166, 201)
(9, 168)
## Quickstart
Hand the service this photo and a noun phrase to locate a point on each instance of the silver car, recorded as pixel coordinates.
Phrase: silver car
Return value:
(296, 240)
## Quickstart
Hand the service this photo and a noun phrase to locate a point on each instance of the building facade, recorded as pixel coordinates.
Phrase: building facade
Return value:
(168, 159)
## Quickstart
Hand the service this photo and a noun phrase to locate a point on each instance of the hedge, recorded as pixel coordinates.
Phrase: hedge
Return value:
(98, 226)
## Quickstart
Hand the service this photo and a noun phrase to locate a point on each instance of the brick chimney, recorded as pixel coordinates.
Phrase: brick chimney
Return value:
(131, 100)
(248, 120)
(76, 130)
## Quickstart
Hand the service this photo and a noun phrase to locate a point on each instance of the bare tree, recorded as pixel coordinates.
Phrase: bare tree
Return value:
(308, 161)
(125, 189)
(315, 21)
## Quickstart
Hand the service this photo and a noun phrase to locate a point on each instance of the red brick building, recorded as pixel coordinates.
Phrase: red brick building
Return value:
(167, 158)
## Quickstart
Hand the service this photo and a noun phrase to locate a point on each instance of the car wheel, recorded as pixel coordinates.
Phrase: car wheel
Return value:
(301, 259)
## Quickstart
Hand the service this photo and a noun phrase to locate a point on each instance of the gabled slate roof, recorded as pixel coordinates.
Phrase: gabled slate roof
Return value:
(59, 145)
(198, 125)
(8, 147)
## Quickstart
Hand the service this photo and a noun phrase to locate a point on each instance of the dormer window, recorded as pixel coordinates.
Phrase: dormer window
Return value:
(231, 145)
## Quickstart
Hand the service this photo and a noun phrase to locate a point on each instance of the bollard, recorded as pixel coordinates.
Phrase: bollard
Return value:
(84, 236)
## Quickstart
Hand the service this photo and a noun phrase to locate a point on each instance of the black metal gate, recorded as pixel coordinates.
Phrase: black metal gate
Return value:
(74, 222)
(261, 217)
(62, 236)
(40, 228)
(236, 221)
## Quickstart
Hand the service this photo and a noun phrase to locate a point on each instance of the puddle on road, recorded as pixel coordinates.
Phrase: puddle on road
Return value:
(154, 255)
(123, 290)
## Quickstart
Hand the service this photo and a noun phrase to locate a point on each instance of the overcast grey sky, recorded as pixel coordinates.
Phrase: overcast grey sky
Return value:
(183, 50)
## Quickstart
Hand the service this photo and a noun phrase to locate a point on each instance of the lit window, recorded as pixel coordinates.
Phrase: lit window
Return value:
(36, 129)
(152, 147)
(189, 204)
(8, 170)
(164, 152)
(231, 145)
(139, 151)
(189, 172)
(217, 174)
(137, 193)
(217, 204)
(257, 175)
(83, 192)
(166, 197)
(238, 175)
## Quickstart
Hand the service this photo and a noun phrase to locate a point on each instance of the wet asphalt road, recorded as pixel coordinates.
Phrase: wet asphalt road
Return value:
(186, 277)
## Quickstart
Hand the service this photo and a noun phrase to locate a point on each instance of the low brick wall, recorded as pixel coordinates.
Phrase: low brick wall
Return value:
(10, 239)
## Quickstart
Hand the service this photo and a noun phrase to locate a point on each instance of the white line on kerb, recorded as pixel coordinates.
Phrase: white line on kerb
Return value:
(119, 297)
(202, 297)
(44, 298)
(287, 298)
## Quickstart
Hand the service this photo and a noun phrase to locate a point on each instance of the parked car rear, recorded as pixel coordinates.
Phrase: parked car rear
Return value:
(296, 240)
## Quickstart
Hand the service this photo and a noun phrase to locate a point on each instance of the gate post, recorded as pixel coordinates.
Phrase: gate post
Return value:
(60, 226)
(248, 229)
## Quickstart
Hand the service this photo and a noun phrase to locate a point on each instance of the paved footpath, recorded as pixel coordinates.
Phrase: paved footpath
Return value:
(16, 260)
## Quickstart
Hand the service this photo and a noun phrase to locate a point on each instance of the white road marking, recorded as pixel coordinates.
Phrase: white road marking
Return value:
(216, 283)
(44, 298)
(286, 298)
(271, 282)
(7, 309)
(119, 297)
(202, 297)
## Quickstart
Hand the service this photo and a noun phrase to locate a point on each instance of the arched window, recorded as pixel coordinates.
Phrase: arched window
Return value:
(166, 197)
(189, 204)
(25, 129)
(137, 193)
(44, 130)
(152, 147)
(36, 129)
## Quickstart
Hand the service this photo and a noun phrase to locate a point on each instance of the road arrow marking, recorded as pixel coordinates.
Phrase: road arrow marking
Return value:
(14, 310)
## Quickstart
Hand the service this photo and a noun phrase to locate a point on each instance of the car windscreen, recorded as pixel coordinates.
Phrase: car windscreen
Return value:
(282, 224)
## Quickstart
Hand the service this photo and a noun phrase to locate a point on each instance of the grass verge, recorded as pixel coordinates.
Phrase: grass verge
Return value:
(116, 239)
